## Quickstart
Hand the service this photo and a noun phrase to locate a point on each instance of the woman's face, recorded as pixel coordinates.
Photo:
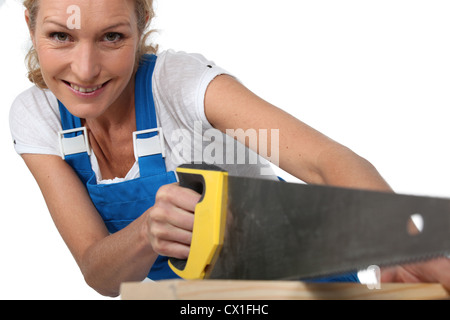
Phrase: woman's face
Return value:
(87, 51)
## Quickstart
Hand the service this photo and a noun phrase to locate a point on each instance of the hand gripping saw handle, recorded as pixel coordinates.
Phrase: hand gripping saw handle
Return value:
(209, 222)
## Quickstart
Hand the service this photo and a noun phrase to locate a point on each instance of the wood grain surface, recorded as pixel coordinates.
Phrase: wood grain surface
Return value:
(276, 290)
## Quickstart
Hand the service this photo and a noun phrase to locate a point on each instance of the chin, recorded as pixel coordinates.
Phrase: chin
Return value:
(85, 110)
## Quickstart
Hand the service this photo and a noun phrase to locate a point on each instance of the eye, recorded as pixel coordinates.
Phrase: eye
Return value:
(59, 36)
(113, 36)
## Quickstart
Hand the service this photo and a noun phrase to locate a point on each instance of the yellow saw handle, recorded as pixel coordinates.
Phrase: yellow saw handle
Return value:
(209, 220)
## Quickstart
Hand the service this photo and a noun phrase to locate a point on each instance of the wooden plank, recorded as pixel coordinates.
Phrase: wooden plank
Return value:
(276, 290)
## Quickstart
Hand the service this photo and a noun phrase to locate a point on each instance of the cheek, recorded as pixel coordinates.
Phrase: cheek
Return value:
(121, 62)
(50, 72)
(51, 61)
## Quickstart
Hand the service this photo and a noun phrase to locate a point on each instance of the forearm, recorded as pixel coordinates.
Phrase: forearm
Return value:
(123, 256)
(339, 166)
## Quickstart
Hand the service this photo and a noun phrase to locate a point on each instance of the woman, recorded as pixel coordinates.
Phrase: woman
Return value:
(120, 210)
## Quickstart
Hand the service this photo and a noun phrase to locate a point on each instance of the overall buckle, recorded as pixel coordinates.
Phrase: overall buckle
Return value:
(148, 146)
(78, 144)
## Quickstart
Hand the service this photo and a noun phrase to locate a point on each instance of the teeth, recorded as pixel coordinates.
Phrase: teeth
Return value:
(85, 90)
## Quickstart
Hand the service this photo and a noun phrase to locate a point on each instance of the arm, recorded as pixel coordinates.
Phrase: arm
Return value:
(303, 151)
(108, 260)
(311, 157)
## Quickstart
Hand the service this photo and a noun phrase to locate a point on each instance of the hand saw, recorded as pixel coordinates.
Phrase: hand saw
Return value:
(249, 228)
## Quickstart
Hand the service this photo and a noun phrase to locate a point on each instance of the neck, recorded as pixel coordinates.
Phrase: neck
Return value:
(110, 135)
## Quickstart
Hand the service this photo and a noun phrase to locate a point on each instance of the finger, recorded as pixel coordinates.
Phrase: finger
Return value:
(176, 234)
(172, 215)
(187, 199)
(170, 241)
(168, 232)
(172, 249)
(183, 198)
(181, 219)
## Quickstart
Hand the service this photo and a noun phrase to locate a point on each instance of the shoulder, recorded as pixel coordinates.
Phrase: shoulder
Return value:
(35, 100)
(34, 120)
(181, 59)
(180, 81)
(185, 69)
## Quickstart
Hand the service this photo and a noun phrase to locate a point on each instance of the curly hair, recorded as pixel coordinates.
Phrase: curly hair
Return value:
(144, 13)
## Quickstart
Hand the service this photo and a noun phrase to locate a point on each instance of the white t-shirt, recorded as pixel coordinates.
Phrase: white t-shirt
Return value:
(179, 85)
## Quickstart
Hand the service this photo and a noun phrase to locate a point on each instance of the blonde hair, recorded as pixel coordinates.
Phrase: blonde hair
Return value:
(144, 13)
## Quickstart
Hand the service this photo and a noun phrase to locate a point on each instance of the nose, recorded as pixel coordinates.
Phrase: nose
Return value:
(86, 63)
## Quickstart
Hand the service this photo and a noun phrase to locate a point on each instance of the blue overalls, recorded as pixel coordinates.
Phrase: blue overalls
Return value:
(121, 203)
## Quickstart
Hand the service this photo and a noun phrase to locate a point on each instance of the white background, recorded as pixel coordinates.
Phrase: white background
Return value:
(373, 75)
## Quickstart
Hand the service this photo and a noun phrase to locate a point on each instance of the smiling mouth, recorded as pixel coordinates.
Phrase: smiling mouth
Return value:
(84, 89)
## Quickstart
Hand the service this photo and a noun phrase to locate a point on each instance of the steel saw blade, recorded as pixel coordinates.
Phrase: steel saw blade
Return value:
(247, 228)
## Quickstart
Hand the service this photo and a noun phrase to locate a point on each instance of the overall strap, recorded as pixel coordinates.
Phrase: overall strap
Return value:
(74, 135)
(148, 139)
(68, 121)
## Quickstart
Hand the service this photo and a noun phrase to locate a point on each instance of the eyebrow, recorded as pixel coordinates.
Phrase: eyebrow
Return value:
(57, 23)
(119, 24)
(116, 25)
